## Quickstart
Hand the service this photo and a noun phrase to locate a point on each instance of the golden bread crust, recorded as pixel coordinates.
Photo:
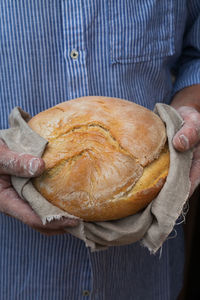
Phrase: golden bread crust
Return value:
(105, 158)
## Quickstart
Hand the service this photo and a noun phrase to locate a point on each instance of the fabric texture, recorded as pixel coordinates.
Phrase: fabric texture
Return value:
(130, 60)
(151, 226)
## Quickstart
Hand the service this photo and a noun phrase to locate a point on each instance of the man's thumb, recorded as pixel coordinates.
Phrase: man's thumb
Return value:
(19, 164)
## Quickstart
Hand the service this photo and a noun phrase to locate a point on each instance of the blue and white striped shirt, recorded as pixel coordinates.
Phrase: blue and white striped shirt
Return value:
(55, 50)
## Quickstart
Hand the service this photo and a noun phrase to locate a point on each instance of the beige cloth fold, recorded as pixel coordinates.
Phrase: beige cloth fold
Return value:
(151, 226)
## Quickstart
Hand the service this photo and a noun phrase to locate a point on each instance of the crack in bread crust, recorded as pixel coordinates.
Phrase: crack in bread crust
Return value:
(93, 147)
(96, 126)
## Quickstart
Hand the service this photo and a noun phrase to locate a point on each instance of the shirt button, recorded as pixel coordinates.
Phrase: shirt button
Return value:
(86, 293)
(74, 54)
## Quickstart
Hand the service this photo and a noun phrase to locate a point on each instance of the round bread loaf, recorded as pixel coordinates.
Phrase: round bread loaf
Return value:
(107, 158)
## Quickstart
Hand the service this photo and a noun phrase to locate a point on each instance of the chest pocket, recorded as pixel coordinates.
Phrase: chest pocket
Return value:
(140, 30)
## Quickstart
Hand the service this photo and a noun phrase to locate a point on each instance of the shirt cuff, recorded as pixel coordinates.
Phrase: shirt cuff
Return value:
(189, 74)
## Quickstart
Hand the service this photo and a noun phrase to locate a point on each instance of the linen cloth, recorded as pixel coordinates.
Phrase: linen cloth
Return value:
(151, 226)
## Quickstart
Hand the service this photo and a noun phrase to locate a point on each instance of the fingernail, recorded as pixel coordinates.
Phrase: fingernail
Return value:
(34, 165)
(71, 222)
(184, 141)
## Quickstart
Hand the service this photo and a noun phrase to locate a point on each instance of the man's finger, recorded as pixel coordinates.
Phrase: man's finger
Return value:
(13, 205)
(51, 232)
(23, 165)
(189, 135)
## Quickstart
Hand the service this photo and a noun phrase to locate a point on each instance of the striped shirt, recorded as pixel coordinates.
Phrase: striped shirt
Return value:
(55, 50)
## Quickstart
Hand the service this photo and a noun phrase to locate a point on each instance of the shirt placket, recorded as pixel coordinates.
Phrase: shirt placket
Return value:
(74, 22)
(74, 48)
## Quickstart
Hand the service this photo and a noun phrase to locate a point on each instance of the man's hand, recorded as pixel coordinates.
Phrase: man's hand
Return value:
(24, 165)
(187, 103)
(188, 137)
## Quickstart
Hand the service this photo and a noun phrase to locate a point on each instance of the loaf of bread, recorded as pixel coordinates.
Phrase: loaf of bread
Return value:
(106, 158)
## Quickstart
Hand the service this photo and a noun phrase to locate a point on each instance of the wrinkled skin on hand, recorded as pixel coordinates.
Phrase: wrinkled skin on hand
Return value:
(24, 165)
(188, 137)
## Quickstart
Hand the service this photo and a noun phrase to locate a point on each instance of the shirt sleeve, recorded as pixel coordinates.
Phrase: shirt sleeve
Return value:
(187, 69)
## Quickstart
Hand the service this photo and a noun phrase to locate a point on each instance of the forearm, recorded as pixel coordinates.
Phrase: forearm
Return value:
(189, 96)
